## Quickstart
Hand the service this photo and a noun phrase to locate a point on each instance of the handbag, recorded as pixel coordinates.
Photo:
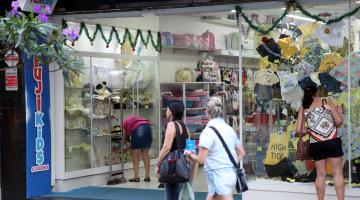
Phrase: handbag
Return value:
(187, 193)
(241, 182)
(175, 168)
(303, 150)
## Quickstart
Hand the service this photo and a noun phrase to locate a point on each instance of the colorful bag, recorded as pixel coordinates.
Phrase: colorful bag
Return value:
(207, 41)
(167, 39)
(208, 70)
(182, 40)
(278, 148)
(185, 75)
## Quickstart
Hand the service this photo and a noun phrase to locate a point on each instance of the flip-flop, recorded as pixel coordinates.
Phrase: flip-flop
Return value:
(147, 179)
(134, 180)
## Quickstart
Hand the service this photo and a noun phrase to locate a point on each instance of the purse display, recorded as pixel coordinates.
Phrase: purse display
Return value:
(185, 75)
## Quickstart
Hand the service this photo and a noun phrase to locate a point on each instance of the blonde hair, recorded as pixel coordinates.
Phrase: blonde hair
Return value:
(214, 107)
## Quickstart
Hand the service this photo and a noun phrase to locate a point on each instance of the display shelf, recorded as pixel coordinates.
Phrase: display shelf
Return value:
(216, 52)
(77, 88)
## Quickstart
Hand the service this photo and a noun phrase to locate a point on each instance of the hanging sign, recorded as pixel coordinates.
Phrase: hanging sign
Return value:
(11, 77)
(11, 58)
(38, 140)
(28, 5)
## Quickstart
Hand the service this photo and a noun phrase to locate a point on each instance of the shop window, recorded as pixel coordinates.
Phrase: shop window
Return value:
(297, 52)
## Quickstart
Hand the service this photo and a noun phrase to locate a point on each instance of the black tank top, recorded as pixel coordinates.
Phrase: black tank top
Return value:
(183, 136)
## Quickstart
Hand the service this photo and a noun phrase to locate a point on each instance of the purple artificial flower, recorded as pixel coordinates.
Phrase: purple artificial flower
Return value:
(37, 9)
(15, 5)
(71, 33)
(43, 18)
(14, 11)
(48, 9)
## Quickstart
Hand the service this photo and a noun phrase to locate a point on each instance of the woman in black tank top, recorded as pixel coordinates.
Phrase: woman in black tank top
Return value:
(174, 115)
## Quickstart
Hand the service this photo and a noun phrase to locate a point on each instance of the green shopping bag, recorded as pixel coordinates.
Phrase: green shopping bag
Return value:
(187, 193)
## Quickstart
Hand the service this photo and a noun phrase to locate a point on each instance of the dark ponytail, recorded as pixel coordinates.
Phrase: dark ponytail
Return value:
(309, 93)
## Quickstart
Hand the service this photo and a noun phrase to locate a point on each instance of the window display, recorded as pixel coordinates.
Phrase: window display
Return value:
(94, 101)
(297, 53)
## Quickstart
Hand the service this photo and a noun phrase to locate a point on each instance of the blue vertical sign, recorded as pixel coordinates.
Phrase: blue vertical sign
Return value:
(38, 135)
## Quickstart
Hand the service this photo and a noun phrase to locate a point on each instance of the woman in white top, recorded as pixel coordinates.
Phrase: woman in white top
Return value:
(220, 171)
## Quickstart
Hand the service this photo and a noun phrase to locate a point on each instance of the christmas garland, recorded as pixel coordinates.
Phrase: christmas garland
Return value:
(289, 6)
(127, 36)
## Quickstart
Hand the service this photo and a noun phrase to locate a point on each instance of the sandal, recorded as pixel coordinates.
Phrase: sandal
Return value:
(134, 180)
(147, 179)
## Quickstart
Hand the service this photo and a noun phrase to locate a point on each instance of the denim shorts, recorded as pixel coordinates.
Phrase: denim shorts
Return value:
(221, 181)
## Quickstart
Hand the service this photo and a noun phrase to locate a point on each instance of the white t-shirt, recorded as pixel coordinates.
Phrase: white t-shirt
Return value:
(217, 157)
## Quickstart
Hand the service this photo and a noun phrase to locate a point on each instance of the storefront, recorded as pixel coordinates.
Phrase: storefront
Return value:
(199, 58)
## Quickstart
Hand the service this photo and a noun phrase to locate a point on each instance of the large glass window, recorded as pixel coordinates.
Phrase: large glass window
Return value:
(298, 52)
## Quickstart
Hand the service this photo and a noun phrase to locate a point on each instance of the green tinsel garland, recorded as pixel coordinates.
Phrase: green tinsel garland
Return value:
(253, 26)
(301, 9)
(126, 36)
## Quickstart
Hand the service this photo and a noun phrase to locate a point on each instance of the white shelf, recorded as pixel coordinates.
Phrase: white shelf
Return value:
(218, 52)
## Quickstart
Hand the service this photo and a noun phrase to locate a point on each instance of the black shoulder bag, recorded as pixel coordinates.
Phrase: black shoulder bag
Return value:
(241, 183)
(175, 168)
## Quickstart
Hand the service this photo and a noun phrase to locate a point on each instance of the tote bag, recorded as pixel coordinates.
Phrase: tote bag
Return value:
(175, 168)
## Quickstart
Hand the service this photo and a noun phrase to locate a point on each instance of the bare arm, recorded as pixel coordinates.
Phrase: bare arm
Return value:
(169, 138)
(336, 114)
(201, 157)
(300, 128)
(240, 152)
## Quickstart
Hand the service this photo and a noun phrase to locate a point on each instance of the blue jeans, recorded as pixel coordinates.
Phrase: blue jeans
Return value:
(172, 190)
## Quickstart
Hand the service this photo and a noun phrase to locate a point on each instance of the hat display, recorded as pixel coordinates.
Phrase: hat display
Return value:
(270, 49)
(332, 34)
(304, 69)
(288, 47)
(330, 83)
(329, 61)
(266, 77)
(306, 82)
(314, 56)
(341, 71)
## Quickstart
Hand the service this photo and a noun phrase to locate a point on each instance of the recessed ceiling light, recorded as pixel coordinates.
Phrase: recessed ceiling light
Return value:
(233, 11)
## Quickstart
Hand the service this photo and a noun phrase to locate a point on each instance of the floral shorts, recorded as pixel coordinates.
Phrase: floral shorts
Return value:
(221, 181)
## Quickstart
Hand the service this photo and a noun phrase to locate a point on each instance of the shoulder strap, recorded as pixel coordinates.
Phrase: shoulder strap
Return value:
(184, 128)
(324, 101)
(226, 148)
(177, 135)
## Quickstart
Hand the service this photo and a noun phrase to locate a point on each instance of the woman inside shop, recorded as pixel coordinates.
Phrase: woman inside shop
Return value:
(174, 114)
(322, 118)
(219, 169)
(140, 131)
